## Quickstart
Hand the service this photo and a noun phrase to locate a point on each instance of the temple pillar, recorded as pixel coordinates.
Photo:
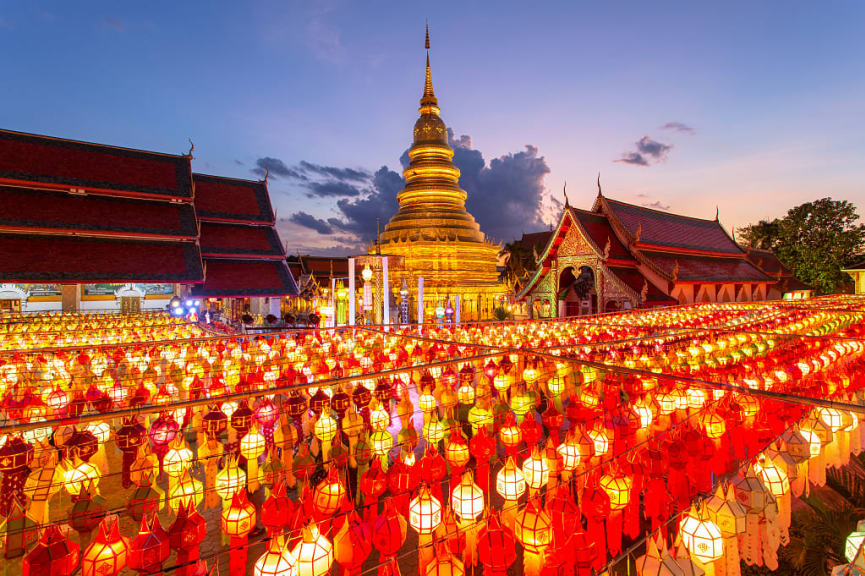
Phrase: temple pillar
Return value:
(352, 292)
(70, 297)
(385, 291)
(420, 300)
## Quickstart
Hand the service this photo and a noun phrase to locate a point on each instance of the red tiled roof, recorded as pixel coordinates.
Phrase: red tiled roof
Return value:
(705, 268)
(636, 281)
(766, 261)
(32, 258)
(665, 229)
(232, 200)
(239, 240)
(55, 163)
(792, 284)
(321, 266)
(227, 278)
(598, 228)
(56, 211)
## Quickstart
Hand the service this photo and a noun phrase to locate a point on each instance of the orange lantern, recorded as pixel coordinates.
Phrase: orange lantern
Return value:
(714, 426)
(108, 554)
(328, 495)
(533, 528)
(238, 520)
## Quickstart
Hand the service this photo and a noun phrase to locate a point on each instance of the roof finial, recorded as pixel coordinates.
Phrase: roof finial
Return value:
(191, 148)
(599, 185)
(266, 174)
(565, 192)
(428, 101)
(717, 212)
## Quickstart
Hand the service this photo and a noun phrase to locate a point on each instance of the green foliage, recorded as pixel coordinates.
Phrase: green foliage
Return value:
(814, 239)
(501, 314)
(519, 266)
(764, 234)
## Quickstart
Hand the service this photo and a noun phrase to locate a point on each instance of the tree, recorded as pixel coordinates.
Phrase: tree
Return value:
(519, 264)
(814, 239)
(763, 234)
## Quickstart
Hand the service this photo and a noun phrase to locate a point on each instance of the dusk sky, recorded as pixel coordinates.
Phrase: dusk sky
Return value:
(753, 106)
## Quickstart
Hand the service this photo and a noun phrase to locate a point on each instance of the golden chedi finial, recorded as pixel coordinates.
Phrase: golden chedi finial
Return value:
(428, 102)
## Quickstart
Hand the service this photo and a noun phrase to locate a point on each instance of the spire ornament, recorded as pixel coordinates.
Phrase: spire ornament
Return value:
(565, 192)
(428, 102)
(600, 194)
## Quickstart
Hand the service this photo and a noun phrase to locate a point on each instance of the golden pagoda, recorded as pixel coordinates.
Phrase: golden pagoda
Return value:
(439, 240)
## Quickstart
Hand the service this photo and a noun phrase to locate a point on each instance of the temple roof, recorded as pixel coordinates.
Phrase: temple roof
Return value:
(635, 280)
(766, 261)
(55, 211)
(653, 227)
(45, 162)
(52, 258)
(221, 199)
(599, 230)
(228, 278)
(221, 240)
(319, 266)
(696, 268)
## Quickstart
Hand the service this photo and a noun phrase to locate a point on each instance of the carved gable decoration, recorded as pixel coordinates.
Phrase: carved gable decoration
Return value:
(575, 244)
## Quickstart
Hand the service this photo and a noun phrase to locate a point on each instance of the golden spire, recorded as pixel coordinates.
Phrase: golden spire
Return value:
(428, 102)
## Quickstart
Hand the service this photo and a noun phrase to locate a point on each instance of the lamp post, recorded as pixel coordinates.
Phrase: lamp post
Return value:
(403, 303)
(367, 291)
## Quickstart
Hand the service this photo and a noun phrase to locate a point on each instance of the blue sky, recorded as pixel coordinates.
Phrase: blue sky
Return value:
(763, 101)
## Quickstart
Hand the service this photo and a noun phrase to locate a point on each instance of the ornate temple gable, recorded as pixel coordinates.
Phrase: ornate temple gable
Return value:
(577, 243)
(615, 289)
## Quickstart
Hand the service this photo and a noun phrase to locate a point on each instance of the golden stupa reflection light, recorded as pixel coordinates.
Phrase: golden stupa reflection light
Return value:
(432, 230)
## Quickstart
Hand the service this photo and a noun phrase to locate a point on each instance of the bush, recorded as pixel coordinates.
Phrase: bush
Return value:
(501, 314)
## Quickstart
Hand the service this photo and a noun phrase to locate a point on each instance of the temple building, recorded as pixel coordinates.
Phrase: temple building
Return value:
(90, 227)
(619, 256)
(439, 240)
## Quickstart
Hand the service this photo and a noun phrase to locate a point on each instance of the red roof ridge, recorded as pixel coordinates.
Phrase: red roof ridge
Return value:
(89, 143)
(242, 180)
(661, 212)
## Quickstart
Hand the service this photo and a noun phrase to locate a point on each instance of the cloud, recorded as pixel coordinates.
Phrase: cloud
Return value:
(648, 152)
(331, 189)
(239, 162)
(275, 168)
(359, 216)
(310, 221)
(678, 127)
(656, 205)
(339, 173)
(506, 196)
(115, 23)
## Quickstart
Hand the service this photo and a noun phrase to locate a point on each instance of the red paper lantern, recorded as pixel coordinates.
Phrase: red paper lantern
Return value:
(496, 547)
(150, 548)
(54, 555)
